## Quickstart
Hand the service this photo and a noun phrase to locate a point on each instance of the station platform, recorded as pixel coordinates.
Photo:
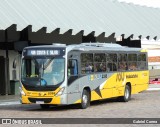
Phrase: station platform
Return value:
(9, 99)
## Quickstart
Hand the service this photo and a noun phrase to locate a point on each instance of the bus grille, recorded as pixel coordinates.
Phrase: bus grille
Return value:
(46, 100)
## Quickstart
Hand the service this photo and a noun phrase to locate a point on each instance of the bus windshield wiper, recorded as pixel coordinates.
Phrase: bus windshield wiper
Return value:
(48, 63)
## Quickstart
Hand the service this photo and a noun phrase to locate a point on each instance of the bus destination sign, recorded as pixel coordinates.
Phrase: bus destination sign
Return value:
(43, 52)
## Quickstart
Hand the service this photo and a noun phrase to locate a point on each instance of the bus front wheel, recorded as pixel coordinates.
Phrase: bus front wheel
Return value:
(85, 99)
(127, 94)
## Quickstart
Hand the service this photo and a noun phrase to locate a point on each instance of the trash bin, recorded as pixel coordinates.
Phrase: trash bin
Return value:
(14, 87)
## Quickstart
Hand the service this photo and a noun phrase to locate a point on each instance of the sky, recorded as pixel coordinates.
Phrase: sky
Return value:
(148, 3)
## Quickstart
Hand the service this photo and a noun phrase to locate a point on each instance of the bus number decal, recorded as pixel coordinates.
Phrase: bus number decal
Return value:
(120, 77)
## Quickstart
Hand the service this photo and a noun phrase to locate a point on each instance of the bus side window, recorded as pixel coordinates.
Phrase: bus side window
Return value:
(132, 62)
(87, 64)
(72, 68)
(142, 62)
(114, 67)
(111, 62)
(109, 67)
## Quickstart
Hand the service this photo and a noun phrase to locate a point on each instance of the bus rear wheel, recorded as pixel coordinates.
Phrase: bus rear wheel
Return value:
(85, 99)
(127, 94)
(44, 106)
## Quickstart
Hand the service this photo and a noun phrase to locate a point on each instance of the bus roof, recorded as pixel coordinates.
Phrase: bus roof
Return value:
(102, 46)
(91, 47)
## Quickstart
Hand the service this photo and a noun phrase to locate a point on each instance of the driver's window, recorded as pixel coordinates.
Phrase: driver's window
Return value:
(72, 67)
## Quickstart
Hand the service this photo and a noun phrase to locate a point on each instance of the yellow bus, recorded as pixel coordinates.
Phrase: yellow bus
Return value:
(62, 74)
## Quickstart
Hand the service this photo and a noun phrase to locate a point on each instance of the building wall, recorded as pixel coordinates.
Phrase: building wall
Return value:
(14, 55)
(153, 48)
(3, 53)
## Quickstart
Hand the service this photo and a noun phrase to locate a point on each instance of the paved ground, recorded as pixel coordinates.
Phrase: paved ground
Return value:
(154, 87)
(142, 105)
(9, 99)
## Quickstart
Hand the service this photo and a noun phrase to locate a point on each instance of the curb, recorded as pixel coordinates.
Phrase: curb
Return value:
(153, 89)
(10, 103)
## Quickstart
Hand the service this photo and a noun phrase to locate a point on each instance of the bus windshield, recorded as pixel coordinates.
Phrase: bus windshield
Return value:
(44, 71)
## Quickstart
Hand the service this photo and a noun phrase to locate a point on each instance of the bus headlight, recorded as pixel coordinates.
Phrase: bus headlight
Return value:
(21, 91)
(60, 92)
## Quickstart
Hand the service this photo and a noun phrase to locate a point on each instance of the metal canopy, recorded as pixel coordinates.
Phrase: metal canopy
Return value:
(11, 37)
(93, 17)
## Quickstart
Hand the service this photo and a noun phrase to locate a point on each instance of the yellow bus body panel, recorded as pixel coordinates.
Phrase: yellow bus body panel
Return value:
(41, 94)
(115, 85)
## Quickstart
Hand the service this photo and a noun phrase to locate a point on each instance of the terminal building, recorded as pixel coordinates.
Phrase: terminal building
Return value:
(31, 22)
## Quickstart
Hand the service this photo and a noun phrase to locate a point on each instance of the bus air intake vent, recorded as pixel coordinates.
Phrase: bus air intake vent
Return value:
(45, 100)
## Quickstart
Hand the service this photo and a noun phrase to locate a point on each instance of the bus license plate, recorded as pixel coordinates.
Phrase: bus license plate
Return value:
(39, 102)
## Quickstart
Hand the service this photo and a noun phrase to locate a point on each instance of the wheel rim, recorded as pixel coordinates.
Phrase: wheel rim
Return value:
(85, 99)
(127, 93)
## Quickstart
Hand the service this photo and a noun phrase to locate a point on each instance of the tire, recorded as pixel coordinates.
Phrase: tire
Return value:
(85, 99)
(44, 106)
(127, 94)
